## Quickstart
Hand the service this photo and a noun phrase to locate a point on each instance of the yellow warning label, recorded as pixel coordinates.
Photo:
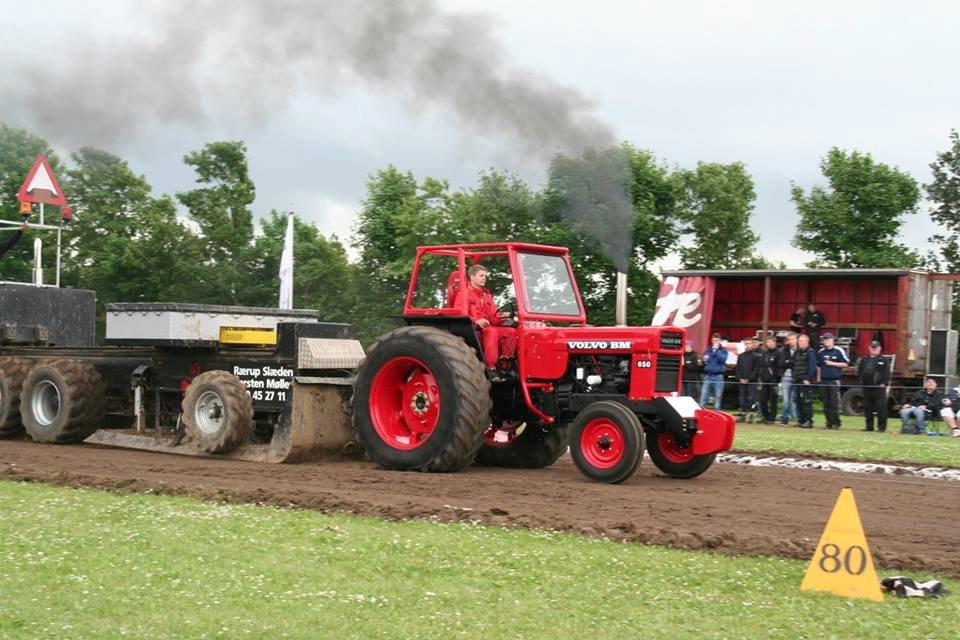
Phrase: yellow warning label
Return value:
(842, 563)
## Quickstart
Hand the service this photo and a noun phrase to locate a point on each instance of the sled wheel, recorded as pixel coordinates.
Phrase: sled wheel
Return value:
(13, 372)
(62, 401)
(217, 412)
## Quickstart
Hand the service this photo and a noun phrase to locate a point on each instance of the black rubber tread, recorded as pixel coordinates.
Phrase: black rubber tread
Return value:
(535, 448)
(82, 401)
(632, 430)
(238, 407)
(851, 402)
(13, 372)
(683, 470)
(466, 389)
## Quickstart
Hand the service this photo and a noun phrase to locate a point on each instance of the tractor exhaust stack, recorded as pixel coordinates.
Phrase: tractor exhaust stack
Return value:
(621, 308)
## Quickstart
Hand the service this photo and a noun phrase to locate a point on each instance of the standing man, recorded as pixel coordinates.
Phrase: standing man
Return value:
(804, 377)
(714, 365)
(786, 378)
(771, 368)
(874, 373)
(796, 320)
(748, 375)
(8, 244)
(813, 320)
(832, 361)
(691, 370)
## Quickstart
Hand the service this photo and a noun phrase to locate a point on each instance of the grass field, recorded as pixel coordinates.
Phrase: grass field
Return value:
(850, 442)
(88, 564)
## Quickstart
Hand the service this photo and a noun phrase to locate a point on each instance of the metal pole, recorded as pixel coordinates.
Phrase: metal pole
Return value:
(38, 255)
(59, 233)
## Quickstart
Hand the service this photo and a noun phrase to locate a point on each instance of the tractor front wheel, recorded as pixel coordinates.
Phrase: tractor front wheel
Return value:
(421, 401)
(674, 460)
(606, 442)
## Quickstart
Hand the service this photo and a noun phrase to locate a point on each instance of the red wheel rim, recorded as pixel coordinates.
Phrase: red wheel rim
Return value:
(503, 436)
(602, 443)
(670, 450)
(404, 403)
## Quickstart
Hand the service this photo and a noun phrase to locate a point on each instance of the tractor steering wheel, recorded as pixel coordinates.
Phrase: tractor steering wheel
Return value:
(508, 312)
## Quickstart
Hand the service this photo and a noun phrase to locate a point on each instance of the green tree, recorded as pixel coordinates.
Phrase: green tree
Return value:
(717, 205)
(221, 207)
(649, 229)
(322, 274)
(125, 244)
(944, 194)
(854, 221)
(18, 151)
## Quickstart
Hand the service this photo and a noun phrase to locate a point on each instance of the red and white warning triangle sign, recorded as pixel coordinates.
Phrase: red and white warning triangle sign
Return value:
(41, 185)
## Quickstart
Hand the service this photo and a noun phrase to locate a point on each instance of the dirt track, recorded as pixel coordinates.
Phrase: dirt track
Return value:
(910, 523)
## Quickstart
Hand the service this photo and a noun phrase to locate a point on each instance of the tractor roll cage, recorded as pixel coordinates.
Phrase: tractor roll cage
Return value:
(475, 253)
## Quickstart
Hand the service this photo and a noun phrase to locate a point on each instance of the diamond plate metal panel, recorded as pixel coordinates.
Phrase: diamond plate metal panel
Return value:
(325, 353)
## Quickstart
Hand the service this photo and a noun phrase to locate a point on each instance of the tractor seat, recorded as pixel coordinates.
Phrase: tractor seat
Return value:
(453, 286)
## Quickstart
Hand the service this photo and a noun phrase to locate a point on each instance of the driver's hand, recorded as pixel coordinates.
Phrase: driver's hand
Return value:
(483, 322)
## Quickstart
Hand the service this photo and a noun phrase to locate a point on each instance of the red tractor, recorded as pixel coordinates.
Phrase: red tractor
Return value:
(423, 399)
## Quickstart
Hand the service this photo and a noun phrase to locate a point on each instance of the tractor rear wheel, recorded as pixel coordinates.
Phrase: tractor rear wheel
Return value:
(421, 401)
(533, 448)
(62, 401)
(606, 442)
(673, 460)
(13, 372)
(217, 412)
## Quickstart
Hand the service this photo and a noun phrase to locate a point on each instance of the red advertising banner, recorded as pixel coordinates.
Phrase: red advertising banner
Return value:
(686, 303)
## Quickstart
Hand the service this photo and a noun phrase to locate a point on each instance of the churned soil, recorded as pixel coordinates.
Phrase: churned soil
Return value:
(911, 523)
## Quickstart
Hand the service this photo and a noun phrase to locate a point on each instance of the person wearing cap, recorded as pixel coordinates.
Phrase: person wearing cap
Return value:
(832, 360)
(874, 371)
(813, 321)
(692, 364)
(714, 366)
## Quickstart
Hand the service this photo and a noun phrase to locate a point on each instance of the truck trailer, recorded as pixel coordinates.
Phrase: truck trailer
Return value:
(907, 310)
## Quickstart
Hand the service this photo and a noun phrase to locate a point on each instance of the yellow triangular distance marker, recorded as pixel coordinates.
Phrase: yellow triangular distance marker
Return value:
(842, 563)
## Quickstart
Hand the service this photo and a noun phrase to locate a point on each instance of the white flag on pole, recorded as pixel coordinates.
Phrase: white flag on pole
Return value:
(286, 267)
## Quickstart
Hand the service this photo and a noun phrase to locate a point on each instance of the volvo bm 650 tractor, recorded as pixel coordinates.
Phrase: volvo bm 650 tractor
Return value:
(423, 399)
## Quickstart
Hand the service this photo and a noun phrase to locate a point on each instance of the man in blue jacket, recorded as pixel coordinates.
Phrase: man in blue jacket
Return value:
(714, 366)
(832, 361)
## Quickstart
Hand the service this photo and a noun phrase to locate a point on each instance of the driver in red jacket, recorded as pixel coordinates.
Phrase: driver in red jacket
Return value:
(495, 339)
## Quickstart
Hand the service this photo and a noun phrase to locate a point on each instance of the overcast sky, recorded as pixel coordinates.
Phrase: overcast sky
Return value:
(771, 84)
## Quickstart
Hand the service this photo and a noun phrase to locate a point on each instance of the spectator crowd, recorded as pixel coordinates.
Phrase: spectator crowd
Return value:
(768, 373)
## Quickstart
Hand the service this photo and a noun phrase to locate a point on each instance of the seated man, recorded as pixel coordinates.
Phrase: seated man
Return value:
(483, 311)
(951, 410)
(921, 406)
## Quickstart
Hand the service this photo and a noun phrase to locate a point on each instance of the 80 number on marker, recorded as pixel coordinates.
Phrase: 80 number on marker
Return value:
(834, 558)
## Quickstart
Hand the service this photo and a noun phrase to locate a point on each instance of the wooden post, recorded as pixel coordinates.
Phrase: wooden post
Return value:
(766, 306)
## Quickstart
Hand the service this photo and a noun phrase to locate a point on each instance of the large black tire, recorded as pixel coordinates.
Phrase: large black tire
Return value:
(851, 403)
(674, 461)
(217, 412)
(421, 401)
(534, 448)
(13, 372)
(606, 442)
(62, 401)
